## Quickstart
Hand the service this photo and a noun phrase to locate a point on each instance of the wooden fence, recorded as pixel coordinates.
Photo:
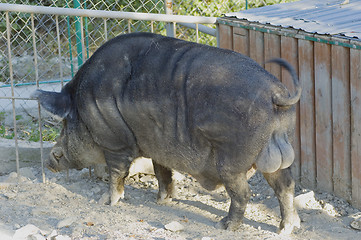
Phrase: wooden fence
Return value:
(328, 131)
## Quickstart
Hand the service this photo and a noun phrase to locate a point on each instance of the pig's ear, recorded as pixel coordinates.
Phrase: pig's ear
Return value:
(54, 102)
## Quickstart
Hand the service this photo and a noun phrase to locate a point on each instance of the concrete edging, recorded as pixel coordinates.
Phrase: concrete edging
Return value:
(29, 154)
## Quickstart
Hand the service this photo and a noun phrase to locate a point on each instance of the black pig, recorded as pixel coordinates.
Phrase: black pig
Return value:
(210, 112)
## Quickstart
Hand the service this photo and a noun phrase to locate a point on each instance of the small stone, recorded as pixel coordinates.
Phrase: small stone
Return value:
(66, 222)
(356, 224)
(26, 231)
(146, 178)
(174, 226)
(330, 210)
(178, 176)
(307, 201)
(52, 234)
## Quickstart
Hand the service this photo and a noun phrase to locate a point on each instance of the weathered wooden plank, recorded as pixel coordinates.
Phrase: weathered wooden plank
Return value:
(307, 113)
(341, 121)
(225, 37)
(355, 82)
(323, 116)
(289, 52)
(241, 40)
(256, 46)
(272, 49)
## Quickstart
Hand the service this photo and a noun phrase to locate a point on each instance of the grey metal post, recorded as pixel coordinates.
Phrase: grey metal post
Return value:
(59, 50)
(37, 86)
(168, 7)
(8, 33)
(105, 30)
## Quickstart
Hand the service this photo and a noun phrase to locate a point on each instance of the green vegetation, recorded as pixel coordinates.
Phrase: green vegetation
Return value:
(28, 129)
(4, 133)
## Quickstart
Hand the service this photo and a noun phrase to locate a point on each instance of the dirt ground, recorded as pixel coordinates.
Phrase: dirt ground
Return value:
(72, 208)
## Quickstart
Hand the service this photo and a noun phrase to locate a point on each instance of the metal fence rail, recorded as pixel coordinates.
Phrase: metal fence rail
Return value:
(105, 14)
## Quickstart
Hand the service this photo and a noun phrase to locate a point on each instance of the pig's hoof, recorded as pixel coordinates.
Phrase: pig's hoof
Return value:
(286, 228)
(115, 197)
(164, 200)
(227, 224)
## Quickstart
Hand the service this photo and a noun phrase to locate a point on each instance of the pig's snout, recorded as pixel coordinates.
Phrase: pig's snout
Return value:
(57, 153)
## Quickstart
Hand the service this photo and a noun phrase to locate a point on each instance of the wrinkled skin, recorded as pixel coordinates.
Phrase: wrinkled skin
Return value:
(210, 112)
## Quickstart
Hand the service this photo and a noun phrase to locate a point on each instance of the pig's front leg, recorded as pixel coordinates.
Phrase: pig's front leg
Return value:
(118, 165)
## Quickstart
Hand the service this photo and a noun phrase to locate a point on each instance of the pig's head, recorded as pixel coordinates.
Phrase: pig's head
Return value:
(75, 147)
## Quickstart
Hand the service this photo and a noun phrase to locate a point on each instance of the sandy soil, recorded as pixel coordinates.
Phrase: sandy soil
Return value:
(71, 208)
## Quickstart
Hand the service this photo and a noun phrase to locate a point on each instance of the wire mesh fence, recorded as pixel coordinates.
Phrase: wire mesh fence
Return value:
(96, 31)
(48, 49)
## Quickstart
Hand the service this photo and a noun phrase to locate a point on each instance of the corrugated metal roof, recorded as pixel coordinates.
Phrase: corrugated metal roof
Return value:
(314, 16)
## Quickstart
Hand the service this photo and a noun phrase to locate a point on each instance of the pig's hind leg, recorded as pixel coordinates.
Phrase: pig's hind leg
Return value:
(283, 185)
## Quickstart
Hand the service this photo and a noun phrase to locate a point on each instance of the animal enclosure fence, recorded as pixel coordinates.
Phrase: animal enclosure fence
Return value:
(43, 43)
(32, 55)
(80, 35)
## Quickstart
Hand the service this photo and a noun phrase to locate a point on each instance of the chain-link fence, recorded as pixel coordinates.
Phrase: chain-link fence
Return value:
(95, 31)
(48, 49)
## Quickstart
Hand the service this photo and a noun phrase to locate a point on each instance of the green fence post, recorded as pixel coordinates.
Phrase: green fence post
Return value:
(69, 39)
(86, 33)
(168, 8)
(79, 47)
